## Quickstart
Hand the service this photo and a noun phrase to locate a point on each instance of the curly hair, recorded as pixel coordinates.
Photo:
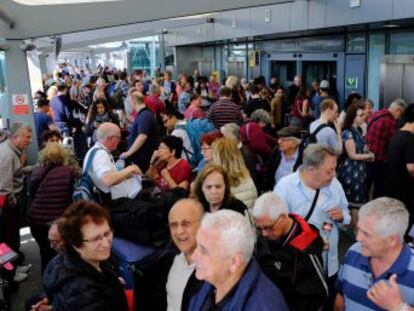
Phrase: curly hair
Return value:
(54, 154)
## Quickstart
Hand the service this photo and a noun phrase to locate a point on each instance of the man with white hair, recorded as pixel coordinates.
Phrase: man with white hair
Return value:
(381, 127)
(223, 258)
(378, 271)
(289, 252)
(112, 183)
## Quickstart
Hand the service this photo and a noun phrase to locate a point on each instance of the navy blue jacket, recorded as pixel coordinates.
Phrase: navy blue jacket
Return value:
(62, 111)
(253, 292)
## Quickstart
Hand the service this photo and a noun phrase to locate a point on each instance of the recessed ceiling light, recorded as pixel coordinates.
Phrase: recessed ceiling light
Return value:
(57, 2)
(391, 26)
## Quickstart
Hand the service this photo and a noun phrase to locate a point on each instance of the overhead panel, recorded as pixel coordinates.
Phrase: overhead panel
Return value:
(43, 20)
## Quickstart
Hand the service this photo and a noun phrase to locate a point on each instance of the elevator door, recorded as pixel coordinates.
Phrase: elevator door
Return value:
(319, 70)
(397, 74)
(236, 68)
(284, 70)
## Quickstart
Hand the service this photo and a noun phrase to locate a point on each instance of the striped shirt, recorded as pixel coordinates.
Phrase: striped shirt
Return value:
(355, 278)
(224, 111)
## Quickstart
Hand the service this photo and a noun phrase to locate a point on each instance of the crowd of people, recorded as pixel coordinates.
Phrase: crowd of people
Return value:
(269, 183)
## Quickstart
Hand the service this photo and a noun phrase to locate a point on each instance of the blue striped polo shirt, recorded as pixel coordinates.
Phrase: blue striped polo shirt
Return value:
(355, 278)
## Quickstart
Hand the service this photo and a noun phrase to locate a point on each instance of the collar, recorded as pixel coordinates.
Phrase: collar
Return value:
(16, 150)
(398, 267)
(102, 146)
(299, 182)
(293, 158)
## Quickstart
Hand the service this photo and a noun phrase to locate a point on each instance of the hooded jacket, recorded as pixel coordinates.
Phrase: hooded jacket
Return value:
(294, 264)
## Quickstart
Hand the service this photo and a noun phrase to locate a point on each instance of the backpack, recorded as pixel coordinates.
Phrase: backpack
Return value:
(310, 138)
(84, 188)
(195, 129)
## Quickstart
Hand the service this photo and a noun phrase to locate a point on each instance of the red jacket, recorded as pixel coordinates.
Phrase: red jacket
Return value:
(257, 140)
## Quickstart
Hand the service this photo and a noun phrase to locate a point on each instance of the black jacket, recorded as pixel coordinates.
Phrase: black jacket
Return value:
(294, 264)
(71, 284)
(273, 164)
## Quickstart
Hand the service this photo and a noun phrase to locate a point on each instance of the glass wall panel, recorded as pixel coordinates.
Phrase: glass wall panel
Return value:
(355, 42)
(402, 42)
(375, 54)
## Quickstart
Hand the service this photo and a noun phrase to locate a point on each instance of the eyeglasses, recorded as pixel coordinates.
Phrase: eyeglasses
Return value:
(267, 228)
(206, 148)
(185, 224)
(107, 235)
(118, 137)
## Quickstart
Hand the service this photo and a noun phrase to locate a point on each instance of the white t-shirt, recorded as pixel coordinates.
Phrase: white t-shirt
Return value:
(178, 276)
(102, 163)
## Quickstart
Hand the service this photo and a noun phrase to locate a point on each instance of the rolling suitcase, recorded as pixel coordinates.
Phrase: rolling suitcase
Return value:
(128, 255)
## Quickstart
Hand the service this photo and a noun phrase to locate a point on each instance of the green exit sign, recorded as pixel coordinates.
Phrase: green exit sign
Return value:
(351, 83)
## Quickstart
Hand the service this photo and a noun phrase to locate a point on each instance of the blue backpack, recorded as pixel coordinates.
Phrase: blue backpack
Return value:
(195, 129)
(84, 188)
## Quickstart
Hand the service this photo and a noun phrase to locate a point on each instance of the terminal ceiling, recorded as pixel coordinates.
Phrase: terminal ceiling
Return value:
(82, 24)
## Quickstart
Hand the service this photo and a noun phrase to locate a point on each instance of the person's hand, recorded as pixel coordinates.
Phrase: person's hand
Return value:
(134, 170)
(386, 295)
(372, 159)
(41, 305)
(336, 214)
(165, 173)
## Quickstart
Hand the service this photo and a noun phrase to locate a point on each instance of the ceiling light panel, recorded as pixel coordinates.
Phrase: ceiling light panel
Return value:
(59, 2)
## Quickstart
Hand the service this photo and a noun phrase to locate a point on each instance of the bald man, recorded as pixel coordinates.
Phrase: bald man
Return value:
(184, 220)
(112, 183)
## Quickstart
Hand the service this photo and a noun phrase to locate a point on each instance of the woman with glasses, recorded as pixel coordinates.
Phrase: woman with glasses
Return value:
(81, 278)
(212, 189)
(352, 170)
(167, 169)
(206, 149)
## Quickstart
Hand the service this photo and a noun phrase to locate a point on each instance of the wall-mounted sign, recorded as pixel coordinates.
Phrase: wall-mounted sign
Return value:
(354, 4)
(20, 103)
(351, 83)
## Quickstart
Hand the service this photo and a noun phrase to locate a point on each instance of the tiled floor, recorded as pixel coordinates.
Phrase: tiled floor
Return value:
(33, 283)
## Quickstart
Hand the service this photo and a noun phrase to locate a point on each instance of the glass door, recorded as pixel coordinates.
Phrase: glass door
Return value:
(284, 70)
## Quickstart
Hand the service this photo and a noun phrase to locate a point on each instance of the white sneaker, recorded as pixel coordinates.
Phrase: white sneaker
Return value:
(24, 269)
(20, 277)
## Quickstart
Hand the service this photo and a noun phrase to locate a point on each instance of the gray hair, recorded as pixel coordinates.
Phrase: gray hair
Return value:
(233, 130)
(236, 235)
(315, 154)
(391, 214)
(106, 130)
(17, 128)
(398, 103)
(154, 89)
(269, 205)
(261, 115)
